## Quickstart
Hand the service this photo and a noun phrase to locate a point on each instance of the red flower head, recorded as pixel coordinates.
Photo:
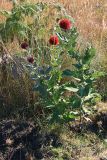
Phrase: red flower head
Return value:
(65, 24)
(24, 45)
(30, 59)
(54, 40)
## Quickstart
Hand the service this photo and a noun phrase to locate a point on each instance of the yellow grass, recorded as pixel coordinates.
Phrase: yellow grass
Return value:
(4, 5)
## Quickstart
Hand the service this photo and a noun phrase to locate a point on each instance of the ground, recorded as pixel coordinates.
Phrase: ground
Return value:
(25, 140)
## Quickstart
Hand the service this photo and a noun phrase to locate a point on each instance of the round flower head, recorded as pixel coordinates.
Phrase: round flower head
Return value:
(30, 59)
(54, 40)
(65, 24)
(24, 45)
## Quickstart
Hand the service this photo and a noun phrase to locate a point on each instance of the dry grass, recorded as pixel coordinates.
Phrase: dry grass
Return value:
(87, 146)
(4, 5)
(91, 21)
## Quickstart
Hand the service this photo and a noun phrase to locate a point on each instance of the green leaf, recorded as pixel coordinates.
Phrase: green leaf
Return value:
(70, 116)
(75, 102)
(88, 55)
(71, 89)
(68, 72)
(84, 90)
(78, 65)
(5, 13)
(50, 106)
(98, 74)
(92, 97)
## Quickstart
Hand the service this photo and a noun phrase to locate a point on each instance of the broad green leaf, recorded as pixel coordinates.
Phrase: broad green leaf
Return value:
(68, 72)
(71, 89)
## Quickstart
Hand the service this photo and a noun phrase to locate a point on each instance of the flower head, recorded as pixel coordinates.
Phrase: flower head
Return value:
(54, 40)
(30, 59)
(65, 24)
(24, 45)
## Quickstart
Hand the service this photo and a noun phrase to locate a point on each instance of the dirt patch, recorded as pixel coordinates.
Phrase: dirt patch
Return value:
(98, 125)
(19, 140)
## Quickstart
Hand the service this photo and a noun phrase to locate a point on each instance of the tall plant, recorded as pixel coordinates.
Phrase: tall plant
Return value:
(81, 78)
(51, 80)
